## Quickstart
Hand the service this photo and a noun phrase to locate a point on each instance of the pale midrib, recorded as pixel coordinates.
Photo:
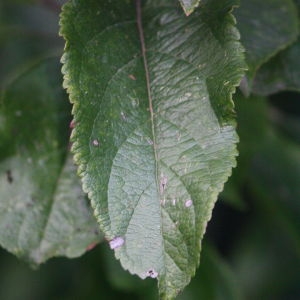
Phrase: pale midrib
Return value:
(147, 75)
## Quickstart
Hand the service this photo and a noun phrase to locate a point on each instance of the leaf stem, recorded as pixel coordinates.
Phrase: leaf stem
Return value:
(143, 48)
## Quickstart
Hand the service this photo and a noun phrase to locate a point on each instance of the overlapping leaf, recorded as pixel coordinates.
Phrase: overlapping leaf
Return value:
(154, 133)
(280, 73)
(43, 212)
(263, 31)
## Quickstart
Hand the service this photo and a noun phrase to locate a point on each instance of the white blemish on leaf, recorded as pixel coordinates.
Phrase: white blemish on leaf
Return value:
(96, 143)
(116, 242)
(188, 203)
(123, 116)
(150, 142)
(174, 201)
(163, 183)
(152, 273)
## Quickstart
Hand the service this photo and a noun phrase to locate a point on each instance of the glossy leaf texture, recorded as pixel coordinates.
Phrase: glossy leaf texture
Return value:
(43, 211)
(258, 22)
(154, 132)
(189, 5)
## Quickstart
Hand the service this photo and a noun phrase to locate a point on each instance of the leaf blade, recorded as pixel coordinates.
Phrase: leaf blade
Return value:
(35, 206)
(150, 163)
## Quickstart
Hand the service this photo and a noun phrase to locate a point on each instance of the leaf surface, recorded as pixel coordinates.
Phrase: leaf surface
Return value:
(43, 211)
(263, 32)
(155, 131)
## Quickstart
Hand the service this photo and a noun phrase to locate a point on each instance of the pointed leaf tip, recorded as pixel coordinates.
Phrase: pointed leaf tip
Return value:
(189, 6)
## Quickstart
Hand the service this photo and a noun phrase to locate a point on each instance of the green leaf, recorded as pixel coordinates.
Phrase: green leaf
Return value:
(189, 5)
(258, 22)
(28, 33)
(155, 131)
(280, 73)
(43, 212)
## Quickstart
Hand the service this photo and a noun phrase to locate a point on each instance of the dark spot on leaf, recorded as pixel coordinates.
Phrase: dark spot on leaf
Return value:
(29, 204)
(9, 177)
(152, 273)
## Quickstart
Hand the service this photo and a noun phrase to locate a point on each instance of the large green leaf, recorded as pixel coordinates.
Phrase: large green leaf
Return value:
(258, 22)
(154, 133)
(43, 212)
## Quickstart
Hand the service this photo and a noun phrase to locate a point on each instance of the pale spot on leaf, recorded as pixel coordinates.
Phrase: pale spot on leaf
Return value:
(188, 203)
(96, 143)
(116, 242)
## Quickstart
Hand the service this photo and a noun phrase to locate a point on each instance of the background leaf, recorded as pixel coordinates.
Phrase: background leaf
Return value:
(28, 33)
(43, 212)
(155, 138)
(258, 22)
(280, 73)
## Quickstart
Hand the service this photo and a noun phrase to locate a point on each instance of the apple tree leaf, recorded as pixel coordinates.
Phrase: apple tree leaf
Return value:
(43, 210)
(154, 134)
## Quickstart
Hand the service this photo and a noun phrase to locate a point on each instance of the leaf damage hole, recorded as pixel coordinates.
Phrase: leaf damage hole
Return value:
(116, 242)
(188, 203)
(152, 273)
(9, 176)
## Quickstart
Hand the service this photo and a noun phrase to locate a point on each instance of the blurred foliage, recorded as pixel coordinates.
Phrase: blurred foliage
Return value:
(252, 246)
